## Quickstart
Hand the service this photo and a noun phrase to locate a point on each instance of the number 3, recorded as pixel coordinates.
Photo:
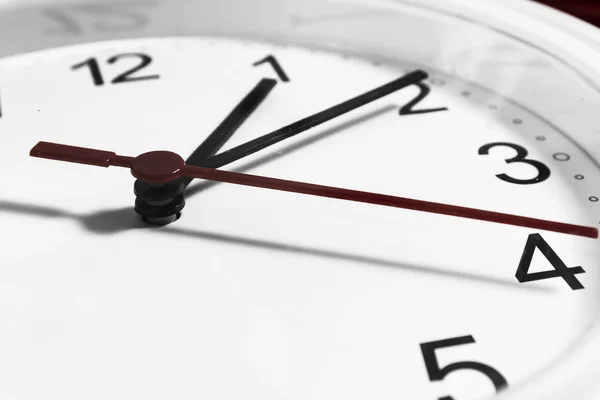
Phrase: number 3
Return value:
(522, 153)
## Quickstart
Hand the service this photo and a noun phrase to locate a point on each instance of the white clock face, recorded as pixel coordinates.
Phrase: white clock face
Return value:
(255, 293)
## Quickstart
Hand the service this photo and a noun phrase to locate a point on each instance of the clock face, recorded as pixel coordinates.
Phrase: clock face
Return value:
(255, 293)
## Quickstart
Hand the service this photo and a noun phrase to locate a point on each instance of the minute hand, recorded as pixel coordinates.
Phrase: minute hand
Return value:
(164, 166)
(305, 124)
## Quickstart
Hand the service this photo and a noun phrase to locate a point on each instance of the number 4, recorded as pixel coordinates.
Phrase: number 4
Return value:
(536, 241)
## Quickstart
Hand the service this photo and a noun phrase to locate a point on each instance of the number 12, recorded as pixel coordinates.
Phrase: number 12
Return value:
(126, 76)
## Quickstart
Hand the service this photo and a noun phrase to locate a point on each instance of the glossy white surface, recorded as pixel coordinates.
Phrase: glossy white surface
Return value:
(258, 294)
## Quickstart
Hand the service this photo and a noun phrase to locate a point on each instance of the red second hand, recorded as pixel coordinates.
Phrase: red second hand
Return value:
(163, 166)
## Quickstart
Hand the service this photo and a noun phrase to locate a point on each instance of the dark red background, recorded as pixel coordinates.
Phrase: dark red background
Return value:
(588, 10)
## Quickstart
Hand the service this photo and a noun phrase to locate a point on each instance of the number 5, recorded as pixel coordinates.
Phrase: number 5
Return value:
(438, 374)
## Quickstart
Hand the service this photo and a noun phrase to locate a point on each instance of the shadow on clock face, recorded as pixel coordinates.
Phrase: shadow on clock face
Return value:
(124, 219)
(116, 221)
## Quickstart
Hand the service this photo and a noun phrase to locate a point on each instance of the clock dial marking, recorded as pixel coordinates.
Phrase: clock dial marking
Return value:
(272, 60)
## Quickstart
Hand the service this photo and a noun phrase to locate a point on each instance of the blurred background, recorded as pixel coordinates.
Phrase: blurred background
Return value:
(588, 10)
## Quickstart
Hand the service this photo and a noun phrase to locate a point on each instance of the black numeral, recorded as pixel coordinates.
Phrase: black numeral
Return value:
(275, 65)
(536, 241)
(145, 60)
(127, 76)
(424, 91)
(79, 18)
(438, 374)
(522, 153)
(92, 64)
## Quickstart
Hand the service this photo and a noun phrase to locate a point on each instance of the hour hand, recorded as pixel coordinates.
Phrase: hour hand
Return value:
(163, 205)
(230, 125)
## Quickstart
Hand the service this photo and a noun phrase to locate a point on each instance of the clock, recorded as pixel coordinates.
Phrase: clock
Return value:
(325, 199)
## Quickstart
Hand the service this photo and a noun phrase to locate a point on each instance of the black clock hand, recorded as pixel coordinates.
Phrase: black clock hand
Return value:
(305, 124)
(230, 125)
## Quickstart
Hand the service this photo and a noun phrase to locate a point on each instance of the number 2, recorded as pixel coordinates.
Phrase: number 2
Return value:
(424, 91)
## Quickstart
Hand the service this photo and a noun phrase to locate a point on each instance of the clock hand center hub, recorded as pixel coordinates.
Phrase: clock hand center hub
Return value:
(157, 166)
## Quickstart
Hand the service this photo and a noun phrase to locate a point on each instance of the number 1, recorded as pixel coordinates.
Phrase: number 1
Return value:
(276, 66)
